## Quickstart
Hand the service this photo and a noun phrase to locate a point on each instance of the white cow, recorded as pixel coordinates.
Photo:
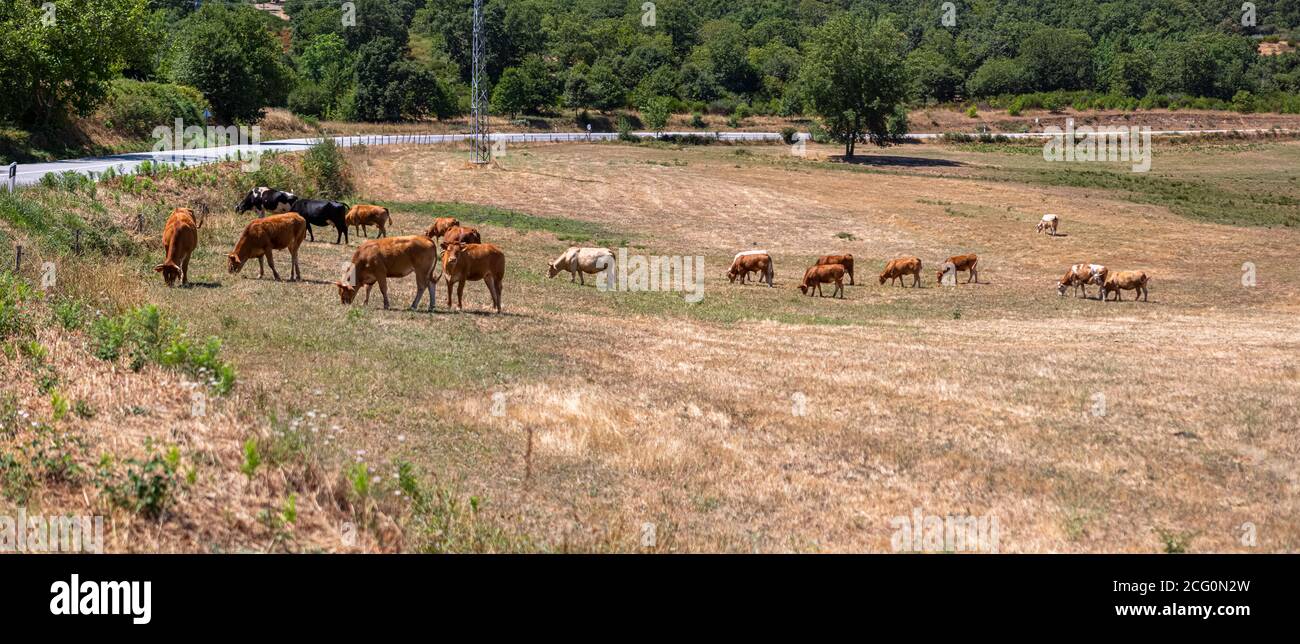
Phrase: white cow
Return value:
(577, 260)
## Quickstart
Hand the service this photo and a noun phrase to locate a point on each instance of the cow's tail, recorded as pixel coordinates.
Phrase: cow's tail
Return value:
(388, 218)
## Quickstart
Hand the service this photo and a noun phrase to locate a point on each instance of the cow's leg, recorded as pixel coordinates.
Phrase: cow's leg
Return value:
(185, 272)
(850, 278)
(383, 290)
(460, 295)
(449, 293)
(367, 300)
(573, 276)
(270, 261)
(582, 278)
(261, 268)
(492, 291)
(311, 236)
(421, 283)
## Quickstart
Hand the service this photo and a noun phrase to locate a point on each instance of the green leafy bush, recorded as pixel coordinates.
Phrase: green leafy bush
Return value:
(145, 336)
(327, 170)
(135, 108)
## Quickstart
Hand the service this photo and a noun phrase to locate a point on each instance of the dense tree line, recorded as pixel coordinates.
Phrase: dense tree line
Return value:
(399, 59)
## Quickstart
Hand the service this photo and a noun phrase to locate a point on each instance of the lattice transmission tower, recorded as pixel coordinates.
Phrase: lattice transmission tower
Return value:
(479, 141)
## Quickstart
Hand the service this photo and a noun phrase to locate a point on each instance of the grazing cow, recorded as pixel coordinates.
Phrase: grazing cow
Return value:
(820, 274)
(843, 260)
(897, 268)
(579, 261)
(379, 259)
(463, 235)
(752, 261)
(263, 199)
(261, 236)
(958, 263)
(440, 227)
(1049, 223)
(180, 237)
(1080, 276)
(1127, 281)
(464, 262)
(319, 212)
(362, 215)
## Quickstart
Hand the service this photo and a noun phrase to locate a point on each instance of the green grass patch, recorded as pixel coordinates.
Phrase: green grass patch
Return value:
(572, 230)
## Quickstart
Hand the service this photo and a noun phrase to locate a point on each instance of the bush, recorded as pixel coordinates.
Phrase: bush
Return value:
(145, 336)
(15, 319)
(135, 108)
(327, 170)
(787, 134)
(697, 121)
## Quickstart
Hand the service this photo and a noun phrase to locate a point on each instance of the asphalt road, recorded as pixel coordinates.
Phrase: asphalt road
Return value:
(126, 163)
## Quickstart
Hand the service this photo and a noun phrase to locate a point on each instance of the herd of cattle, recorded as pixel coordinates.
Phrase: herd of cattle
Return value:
(465, 257)
(833, 268)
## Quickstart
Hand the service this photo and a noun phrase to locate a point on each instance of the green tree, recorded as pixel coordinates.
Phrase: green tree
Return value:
(510, 96)
(997, 76)
(49, 70)
(932, 77)
(854, 79)
(655, 113)
(607, 90)
(1057, 58)
(238, 76)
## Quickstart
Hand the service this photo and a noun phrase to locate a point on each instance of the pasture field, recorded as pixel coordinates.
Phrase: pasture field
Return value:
(761, 420)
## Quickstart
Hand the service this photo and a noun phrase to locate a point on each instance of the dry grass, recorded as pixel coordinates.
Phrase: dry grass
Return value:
(619, 409)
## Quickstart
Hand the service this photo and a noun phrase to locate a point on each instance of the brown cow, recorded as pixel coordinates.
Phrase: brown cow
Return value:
(440, 227)
(820, 274)
(960, 263)
(362, 215)
(745, 263)
(377, 260)
(897, 268)
(464, 262)
(1128, 281)
(261, 236)
(462, 235)
(180, 237)
(843, 260)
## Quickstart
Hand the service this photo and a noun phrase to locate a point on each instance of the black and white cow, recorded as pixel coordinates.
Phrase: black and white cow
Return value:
(264, 200)
(319, 212)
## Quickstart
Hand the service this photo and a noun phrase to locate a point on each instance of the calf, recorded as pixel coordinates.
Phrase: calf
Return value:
(463, 235)
(959, 263)
(263, 199)
(440, 227)
(180, 237)
(843, 260)
(1127, 281)
(1049, 223)
(319, 212)
(377, 260)
(362, 215)
(261, 236)
(464, 262)
(820, 274)
(1080, 276)
(752, 262)
(578, 261)
(897, 268)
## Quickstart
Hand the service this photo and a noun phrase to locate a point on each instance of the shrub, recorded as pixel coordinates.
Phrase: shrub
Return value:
(697, 121)
(327, 170)
(787, 134)
(15, 318)
(146, 336)
(135, 108)
(148, 485)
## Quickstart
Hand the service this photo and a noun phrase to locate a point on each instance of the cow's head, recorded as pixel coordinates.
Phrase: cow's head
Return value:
(803, 288)
(452, 255)
(170, 272)
(347, 292)
(882, 278)
(553, 269)
(1060, 288)
(733, 273)
(233, 263)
